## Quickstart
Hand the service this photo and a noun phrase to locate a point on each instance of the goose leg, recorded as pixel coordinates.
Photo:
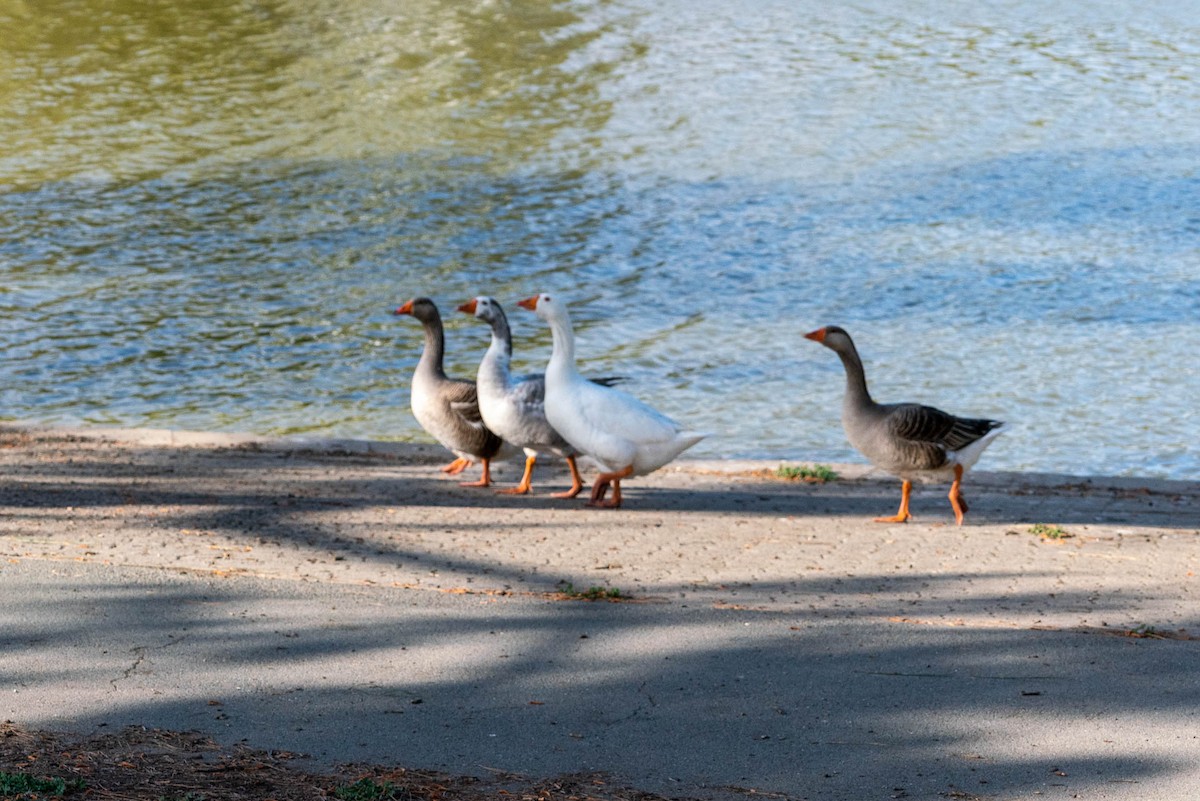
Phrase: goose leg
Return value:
(903, 515)
(576, 481)
(485, 480)
(457, 466)
(525, 485)
(601, 488)
(956, 499)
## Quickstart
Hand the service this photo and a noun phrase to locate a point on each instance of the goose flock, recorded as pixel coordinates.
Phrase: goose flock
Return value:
(565, 414)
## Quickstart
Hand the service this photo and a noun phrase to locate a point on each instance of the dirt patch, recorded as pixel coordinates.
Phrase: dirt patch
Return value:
(139, 763)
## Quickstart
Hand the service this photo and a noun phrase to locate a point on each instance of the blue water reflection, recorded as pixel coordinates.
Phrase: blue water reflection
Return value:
(1005, 216)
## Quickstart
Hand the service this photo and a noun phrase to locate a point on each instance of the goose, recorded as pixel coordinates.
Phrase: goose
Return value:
(627, 437)
(907, 440)
(514, 407)
(447, 408)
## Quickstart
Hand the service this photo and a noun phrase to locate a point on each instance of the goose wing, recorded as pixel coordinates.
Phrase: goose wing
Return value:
(463, 400)
(611, 409)
(926, 425)
(528, 393)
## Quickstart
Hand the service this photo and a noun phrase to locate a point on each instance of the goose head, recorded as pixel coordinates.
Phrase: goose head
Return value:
(546, 306)
(483, 307)
(833, 337)
(421, 308)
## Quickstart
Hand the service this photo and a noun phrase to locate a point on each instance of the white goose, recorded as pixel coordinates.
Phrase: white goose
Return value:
(624, 435)
(514, 407)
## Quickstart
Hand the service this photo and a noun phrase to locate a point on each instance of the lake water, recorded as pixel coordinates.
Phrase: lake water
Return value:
(209, 210)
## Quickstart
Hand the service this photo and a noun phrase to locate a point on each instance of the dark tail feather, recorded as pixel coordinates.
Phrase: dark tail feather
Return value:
(966, 430)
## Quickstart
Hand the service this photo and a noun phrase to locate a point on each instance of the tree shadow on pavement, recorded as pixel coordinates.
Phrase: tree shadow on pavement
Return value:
(668, 697)
(909, 683)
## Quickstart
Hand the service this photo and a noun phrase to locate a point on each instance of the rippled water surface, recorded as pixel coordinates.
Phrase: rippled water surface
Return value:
(208, 211)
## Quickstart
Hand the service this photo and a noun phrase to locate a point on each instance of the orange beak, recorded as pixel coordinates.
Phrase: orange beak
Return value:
(468, 307)
(816, 336)
(405, 309)
(528, 303)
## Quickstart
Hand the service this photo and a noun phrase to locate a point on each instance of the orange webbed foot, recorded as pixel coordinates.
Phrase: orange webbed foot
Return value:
(615, 502)
(525, 484)
(576, 481)
(485, 479)
(902, 516)
(609, 504)
(457, 466)
(600, 489)
(483, 482)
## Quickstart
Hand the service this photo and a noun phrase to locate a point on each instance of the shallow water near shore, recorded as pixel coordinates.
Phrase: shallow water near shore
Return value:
(208, 212)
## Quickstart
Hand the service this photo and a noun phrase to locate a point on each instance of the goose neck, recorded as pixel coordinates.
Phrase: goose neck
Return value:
(562, 356)
(496, 361)
(857, 393)
(501, 338)
(435, 348)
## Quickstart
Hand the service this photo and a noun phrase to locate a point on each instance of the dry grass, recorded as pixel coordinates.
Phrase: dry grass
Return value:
(156, 765)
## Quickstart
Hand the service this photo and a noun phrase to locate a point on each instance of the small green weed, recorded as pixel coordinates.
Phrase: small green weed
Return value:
(592, 593)
(370, 790)
(817, 473)
(26, 786)
(1049, 531)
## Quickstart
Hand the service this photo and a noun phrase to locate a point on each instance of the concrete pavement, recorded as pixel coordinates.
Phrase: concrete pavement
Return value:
(360, 607)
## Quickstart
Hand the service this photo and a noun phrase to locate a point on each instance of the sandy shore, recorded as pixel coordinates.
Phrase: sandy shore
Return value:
(719, 563)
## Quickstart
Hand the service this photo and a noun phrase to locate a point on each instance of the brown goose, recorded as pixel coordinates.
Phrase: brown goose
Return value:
(906, 439)
(447, 407)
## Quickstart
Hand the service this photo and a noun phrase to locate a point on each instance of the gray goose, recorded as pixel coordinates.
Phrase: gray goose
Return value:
(515, 406)
(906, 439)
(445, 407)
